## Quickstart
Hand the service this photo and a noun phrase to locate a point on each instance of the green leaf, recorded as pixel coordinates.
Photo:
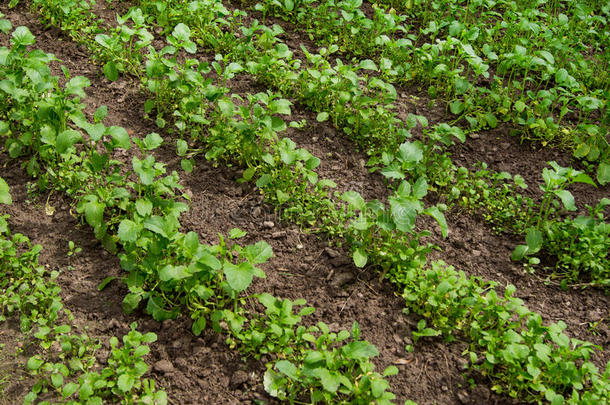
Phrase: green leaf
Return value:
(411, 152)
(237, 233)
(519, 252)
(76, 84)
(181, 147)
(131, 302)
(584, 178)
(456, 107)
(567, 199)
(437, 214)
(23, 36)
(173, 273)
(144, 207)
(491, 119)
(190, 47)
(182, 32)
(329, 381)
(404, 213)
(5, 25)
(94, 213)
(287, 368)
(34, 363)
(187, 165)
(5, 196)
(156, 224)
(393, 171)
(234, 67)
(443, 287)
(533, 239)
(282, 197)
(354, 199)
(105, 282)
(226, 106)
(69, 389)
(273, 383)
(322, 116)
(155, 308)
(359, 350)
(368, 64)
(603, 173)
(120, 137)
(100, 113)
(258, 253)
(360, 258)
(128, 231)
(519, 106)
(66, 140)
(543, 352)
(280, 106)
(199, 325)
(378, 387)
(420, 188)
(125, 382)
(85, 390)
(110, 71)
(238, 277)
(390, 371)
(152, 141)
(57, 380)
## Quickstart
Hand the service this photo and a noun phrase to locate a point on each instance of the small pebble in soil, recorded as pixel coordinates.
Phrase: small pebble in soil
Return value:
(164, 366)
(462, 364)
(463, 397)
(238, 378)
(268, 224)
(459, 244)
(331, 252)
(278, 234)
(257, 211)
(341, 279)
(182, 362)
(113, 324)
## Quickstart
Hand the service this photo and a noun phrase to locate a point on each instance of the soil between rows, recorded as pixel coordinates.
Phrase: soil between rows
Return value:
(204, 369)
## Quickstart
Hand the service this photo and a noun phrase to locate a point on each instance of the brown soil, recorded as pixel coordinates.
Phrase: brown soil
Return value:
(205, 370)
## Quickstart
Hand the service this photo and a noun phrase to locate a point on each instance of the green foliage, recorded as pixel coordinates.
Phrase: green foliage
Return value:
(5, 195)
(313, 362)
(166, 269)
(530, 67)
(509, 343)
(245, 132)
(66, 363)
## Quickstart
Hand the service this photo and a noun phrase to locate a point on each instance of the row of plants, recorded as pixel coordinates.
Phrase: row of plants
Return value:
(66, 365)
(522, 66)
(135, 215)
(575, 247)
(375, 255)
(563, 239)
(337, 93)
